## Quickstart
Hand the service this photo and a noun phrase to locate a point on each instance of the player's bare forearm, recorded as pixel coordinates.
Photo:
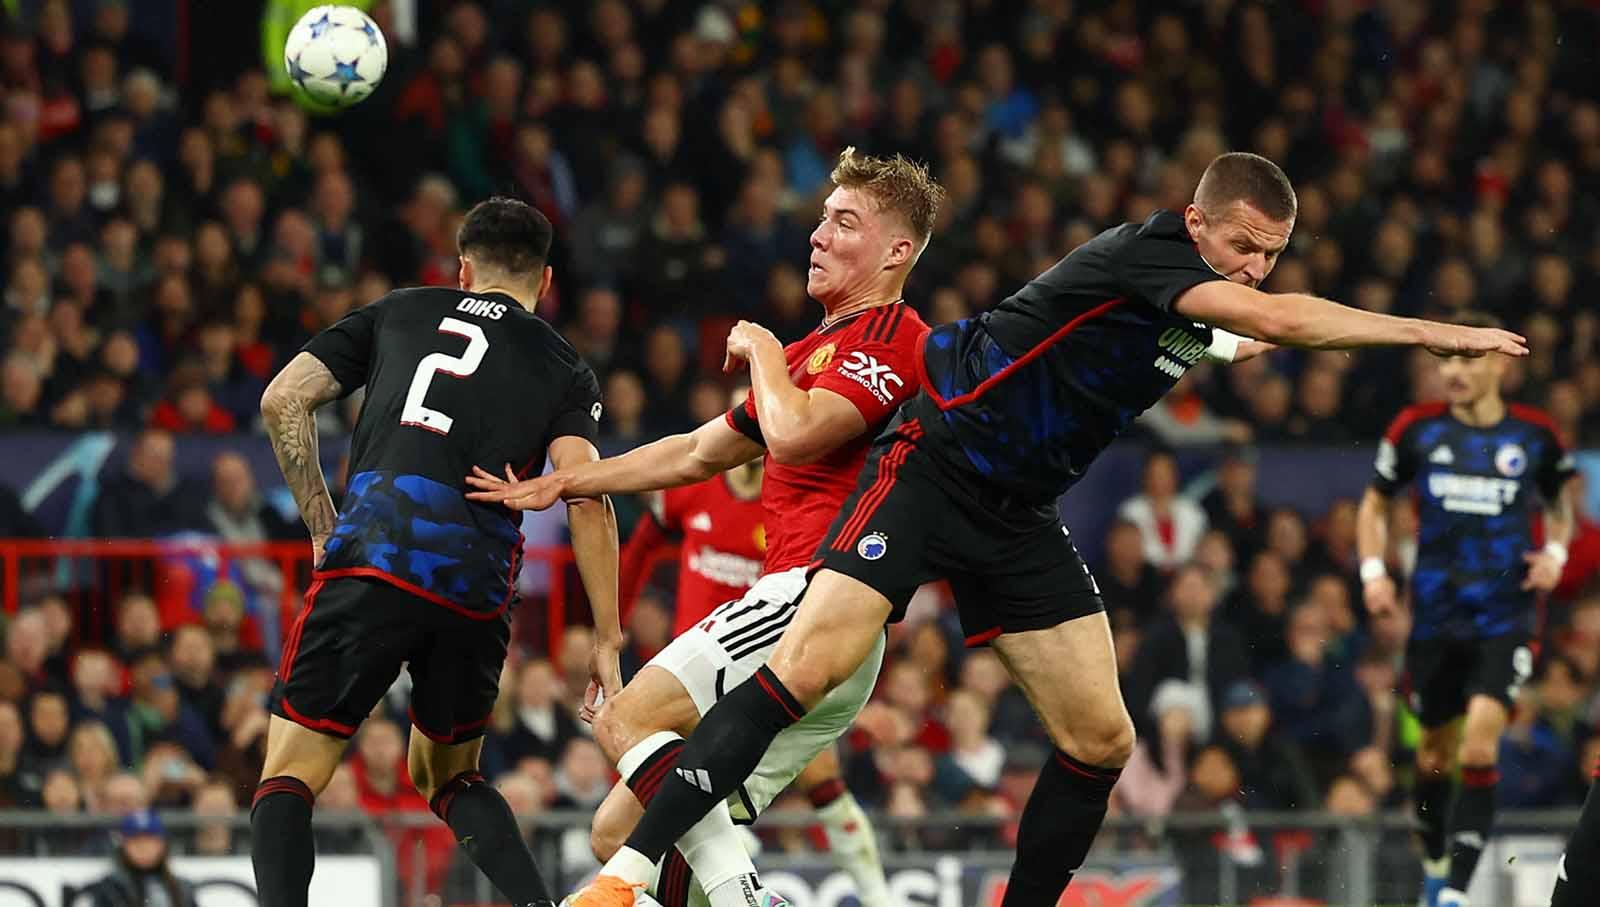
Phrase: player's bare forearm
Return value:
(785, 409)
(673, 461)
(1372, 525)
(593, 523)
(288, 410)
(1311, 322)
(1558, 519)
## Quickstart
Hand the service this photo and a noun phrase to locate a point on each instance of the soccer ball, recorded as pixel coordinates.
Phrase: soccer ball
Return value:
(335, 55)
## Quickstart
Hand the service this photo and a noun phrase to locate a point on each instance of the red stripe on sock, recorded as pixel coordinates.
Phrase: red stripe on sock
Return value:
(1479, 776)
(283, 784)
(647, 781)
(776, 696)
(826, 792)
(1099, 775)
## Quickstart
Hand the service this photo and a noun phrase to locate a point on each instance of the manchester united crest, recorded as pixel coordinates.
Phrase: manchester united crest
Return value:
(819, 360)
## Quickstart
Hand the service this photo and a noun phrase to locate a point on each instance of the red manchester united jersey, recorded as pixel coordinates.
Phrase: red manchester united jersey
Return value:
(722, 544)
(869, 359)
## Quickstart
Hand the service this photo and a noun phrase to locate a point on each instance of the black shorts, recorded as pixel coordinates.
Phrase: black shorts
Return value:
(349, 642)
(915, 518)
(1443, 674)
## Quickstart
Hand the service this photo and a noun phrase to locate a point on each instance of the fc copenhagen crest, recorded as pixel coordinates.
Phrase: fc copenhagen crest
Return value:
(1511, 460)
(819, 360)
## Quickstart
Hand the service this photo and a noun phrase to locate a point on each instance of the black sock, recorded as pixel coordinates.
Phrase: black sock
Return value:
(1059, 823)
(721, 753)
(281, 848)
(1470, 822)
(656, 768)
(673, 888)
(487, 830)
(1579, 875)
(1432, 796)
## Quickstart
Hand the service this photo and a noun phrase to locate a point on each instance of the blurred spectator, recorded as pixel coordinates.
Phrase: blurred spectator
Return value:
(1191, 645)
(532, 724)
(595, 333)
(1156, 774)
(15, 785)
(140, 872)
(1317, 703)
(1274, 773)
(608, 231)
(972, 750)
(92, 755)
(157, 716)
(49, 720)
(1170, 525)
(148, 498)
(1232, 506)
(214, 838)
(28, 647)
(122, 795)
(1259, 609)
(194, 662)
(384, 788)
(1127, 580)
(95, 679)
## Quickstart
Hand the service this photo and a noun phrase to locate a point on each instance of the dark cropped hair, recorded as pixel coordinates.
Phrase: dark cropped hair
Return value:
(507, 235)
(1250, 178)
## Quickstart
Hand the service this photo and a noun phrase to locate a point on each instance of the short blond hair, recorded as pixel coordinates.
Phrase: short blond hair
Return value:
(897, 184)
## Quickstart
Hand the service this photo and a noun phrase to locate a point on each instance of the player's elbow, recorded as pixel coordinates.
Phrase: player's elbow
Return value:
(793, 451)
(274, 400)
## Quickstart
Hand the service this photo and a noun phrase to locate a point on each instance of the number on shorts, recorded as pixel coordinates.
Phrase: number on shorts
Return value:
(419, 416)
(1522, 667)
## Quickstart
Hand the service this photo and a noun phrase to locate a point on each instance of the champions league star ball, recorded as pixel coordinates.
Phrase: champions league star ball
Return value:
(335, 56)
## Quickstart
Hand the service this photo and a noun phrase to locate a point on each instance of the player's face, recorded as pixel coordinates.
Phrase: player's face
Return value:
(851, 247)
(1238, 242)
(1468, 380)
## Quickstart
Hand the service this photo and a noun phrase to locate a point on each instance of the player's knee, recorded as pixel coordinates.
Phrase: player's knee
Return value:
(1479, 752)
(614, 729)
(1433, 761)
(1109, 747)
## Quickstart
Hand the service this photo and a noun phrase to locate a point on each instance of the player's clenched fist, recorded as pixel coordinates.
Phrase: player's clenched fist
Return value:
(743, 340)
(537, 493)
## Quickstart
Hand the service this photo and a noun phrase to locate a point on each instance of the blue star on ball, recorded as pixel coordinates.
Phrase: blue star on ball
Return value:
(345, 74)
(320, 26)
(371, 33)
(297, 74)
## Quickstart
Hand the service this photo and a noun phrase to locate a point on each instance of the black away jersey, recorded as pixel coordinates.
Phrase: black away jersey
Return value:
(453, 381)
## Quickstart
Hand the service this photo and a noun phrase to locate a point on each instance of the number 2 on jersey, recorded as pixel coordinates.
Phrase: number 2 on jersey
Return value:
(461, 366)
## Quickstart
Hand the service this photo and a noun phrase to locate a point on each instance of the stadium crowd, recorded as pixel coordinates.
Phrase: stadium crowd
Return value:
(171, 243)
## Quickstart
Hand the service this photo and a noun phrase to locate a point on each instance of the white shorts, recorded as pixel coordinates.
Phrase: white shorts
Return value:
(740, 638)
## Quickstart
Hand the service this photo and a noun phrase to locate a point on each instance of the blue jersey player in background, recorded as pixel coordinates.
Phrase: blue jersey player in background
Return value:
(1016, 403)
(1481, 469)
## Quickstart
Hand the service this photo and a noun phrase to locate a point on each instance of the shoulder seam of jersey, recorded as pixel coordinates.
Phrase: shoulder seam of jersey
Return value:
(1535, 416)
(1411, 415)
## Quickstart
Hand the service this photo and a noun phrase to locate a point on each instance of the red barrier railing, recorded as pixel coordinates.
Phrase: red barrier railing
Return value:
(94, 574)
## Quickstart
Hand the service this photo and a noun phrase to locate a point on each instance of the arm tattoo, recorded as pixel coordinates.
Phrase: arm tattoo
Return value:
(289, 411)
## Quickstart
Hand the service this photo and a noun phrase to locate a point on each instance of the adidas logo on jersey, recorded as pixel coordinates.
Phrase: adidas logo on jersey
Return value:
(698, 778)
(1442, 455)
(871, 374)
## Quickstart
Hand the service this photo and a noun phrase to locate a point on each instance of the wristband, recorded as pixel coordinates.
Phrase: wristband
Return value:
(1224, 345)
(1556, 552)
(1372, 568)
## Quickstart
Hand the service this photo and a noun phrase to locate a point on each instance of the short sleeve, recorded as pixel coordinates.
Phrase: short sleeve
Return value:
(345, 346)
(1157, 269)
(1556, 467)
(742, 419)
(1395, 464)
(875, 376)
(578, 414)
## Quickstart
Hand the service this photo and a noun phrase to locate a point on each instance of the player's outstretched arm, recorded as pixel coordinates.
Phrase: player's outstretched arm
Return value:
(1297, 319)
(1372, 540)
(593, 524)
(288, 409)
(1546, 564)
(676, 460)
(799, 426)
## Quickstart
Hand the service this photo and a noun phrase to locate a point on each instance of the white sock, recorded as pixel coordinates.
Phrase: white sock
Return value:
(1436, 869)
(854, 846)
(644, 749)
(630, 866)
(714, 850)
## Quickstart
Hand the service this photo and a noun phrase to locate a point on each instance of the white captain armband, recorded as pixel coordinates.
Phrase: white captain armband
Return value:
(1224, 345)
